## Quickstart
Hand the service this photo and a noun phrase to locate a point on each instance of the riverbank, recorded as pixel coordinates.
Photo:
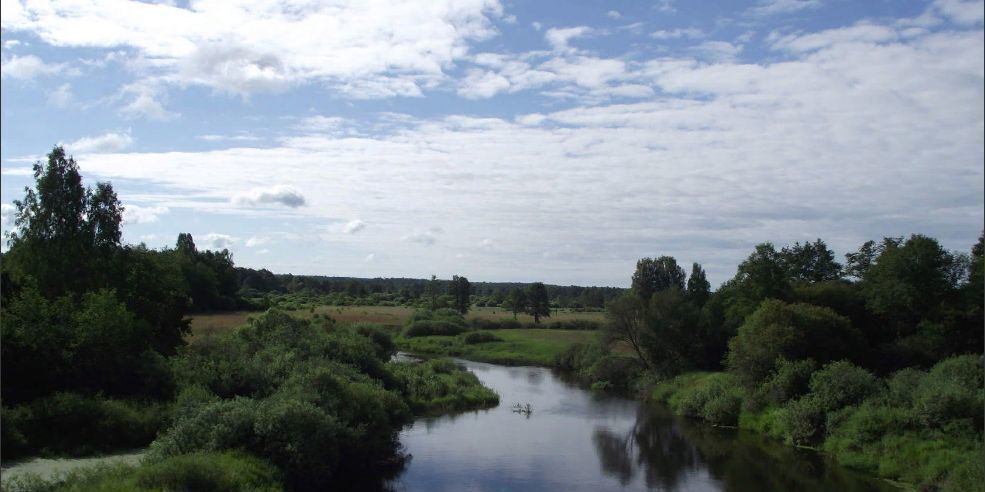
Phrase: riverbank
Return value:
(910, 429)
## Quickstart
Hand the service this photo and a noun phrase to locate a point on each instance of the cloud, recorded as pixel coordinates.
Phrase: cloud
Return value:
(613, 14)
(61, 97)
(135, 214)
(560, 37)
(28, 67)
(241, 137)
(7, 213)
(688, 32)
(961, 11)
(427, 238)
(717, 50)
(370, 257)
(216, 241)
(146, 102)
(774, 7)
(108, 142)
(363, 49)
(321, 123)
(257, 241)
(353, 226)
(288, 196)
(726, 154)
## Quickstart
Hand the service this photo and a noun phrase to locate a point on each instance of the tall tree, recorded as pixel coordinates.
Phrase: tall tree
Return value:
(517, 301)
(538, 304)
(655, 275)
(627, 322)
(64, 229)
(461, 291)
(698, 288)
(810, 262)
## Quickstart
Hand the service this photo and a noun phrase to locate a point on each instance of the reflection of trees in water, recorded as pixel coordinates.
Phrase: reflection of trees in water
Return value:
(666, 450)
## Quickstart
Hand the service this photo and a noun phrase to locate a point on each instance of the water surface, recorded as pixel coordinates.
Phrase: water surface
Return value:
(576, 440)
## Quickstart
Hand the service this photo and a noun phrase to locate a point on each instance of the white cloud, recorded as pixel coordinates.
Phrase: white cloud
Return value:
(146, 101)
(353, 226)
(613, 14)
(536, 25)
(257, 241)
(844, 137)
(773, 7)
(321, 123)
(28, 67)
(217, 241)
(7, 212)
(365, 49)
(370, 257)
(135, 214)
(108, 142)
(425, 237)
(961, 11)
(241, 137)
(289, 196)
(11, 44)
(717, 50)
(61, 97)
(687, 32)
(560, 37)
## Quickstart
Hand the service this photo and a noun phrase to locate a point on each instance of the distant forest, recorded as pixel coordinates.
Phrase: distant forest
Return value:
(264, 287)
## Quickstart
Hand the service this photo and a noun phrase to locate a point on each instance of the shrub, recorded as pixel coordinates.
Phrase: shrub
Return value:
(230, 471)
(617, 370)
(378, 334)
(425, 328)
(952, 390)
(791, 331)
(803, 420)
(474, 337)
(840, 384)
(789, 380)
(902, 385)
(575, 324)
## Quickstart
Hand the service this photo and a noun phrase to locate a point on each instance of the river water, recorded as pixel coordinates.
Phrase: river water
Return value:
(577, 440)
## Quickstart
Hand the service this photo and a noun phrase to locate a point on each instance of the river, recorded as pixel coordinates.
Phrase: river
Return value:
(575, 439)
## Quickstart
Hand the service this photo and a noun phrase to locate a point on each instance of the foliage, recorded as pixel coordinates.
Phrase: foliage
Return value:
(654, 275)
(788, 380)
(517, 301)
(439, 386)
(474, 337)
(538, 304)
(73, 424)
(793, 332)
(439, 322)
(841, 384)
(460, 290)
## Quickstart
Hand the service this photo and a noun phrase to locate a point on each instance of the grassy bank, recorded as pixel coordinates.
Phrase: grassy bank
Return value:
(920, 428)
(536, 347)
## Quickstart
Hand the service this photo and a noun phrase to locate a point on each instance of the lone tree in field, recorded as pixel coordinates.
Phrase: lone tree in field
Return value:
(460, 290)
(537, 302)
(517, 301)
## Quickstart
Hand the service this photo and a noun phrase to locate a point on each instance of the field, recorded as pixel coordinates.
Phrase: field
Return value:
(212, 323)
(517, 347)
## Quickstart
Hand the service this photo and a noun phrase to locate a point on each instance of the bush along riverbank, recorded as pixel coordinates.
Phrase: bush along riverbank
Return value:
(287, 403)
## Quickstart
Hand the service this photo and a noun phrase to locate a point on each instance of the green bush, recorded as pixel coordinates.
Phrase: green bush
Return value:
(619, 371)
(230, 471)
(425, 328)
(804, 420)
(716, 398)
(79, 425)
(790, 331)
(378, 334)
(788, 380)
(575, 324)
(902, 385)
(474, 337)
(840, 384)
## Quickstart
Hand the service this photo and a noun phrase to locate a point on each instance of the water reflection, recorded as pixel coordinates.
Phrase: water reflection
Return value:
(669, 452)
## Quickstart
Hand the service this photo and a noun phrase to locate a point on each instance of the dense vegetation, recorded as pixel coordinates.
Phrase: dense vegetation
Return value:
(95, 361)
(878, 362)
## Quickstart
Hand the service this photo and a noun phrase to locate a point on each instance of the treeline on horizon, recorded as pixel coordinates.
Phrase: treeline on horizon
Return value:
(263, 288)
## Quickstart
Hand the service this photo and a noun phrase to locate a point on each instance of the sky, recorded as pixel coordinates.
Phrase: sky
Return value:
(505, 141)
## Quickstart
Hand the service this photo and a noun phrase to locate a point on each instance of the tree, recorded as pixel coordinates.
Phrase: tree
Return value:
(791, 331)
(810, 262)
(65, 231)
(538, 304)
(654, 275)
(186, 244)
(460, 290)
(517, 301)
(698, 288)
(859, 262)
(627, 316)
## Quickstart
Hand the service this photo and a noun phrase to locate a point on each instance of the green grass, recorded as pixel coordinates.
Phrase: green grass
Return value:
(536, 347)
